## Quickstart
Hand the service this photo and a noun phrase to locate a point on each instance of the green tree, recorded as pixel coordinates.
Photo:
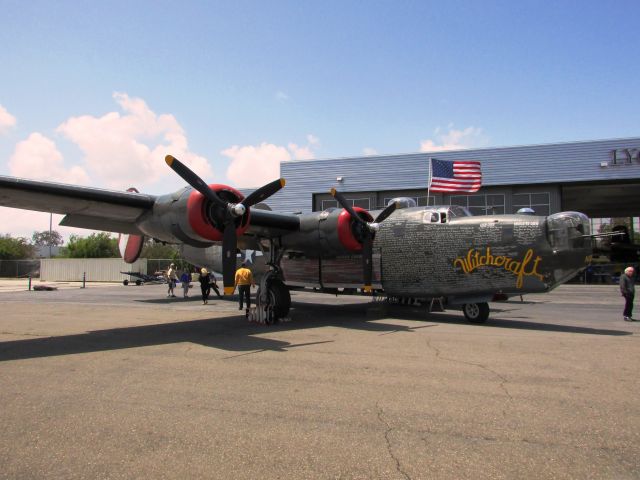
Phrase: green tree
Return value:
(96, 245)
(153, 249)
(15, 248)
(46, 238)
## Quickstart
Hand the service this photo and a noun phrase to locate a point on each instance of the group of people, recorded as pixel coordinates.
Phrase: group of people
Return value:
(243, 282)
(207, 282)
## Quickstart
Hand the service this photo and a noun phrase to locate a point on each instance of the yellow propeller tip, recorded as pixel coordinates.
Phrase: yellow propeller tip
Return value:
(229, 290)
(333, 192)
(169, 159)
(283, 182)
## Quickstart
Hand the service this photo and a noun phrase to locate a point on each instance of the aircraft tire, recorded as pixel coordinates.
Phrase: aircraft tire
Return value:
(125, 282)
(138, 282)
(476, 312)
(280, 298)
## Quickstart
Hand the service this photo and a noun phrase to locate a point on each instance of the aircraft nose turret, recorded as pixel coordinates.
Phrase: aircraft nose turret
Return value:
(568, 234)
(568, 231)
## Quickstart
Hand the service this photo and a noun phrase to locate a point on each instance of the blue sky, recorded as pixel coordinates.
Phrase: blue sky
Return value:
(95, 92)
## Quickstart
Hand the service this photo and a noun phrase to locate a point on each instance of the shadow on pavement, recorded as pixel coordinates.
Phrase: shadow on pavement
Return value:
(233, 333)
(456, 317)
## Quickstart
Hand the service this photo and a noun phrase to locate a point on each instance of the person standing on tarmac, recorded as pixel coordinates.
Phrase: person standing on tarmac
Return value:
(628, 289)
(185, 280)
(244, 282)
(172, 278)
(205, 279)
(214, 285)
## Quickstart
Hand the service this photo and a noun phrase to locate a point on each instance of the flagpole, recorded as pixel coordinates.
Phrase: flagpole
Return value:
(429, 182)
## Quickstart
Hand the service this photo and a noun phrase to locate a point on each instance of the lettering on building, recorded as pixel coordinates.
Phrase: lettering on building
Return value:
(625, 156)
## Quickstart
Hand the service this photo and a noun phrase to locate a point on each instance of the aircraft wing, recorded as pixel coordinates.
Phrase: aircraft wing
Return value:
(84, 207)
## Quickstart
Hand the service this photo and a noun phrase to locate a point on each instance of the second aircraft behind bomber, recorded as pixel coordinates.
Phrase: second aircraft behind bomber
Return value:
(420, 252)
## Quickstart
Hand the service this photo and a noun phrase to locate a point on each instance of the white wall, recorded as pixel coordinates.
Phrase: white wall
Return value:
(96, 269)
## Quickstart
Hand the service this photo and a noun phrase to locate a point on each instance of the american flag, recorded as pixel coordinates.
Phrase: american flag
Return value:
(456, 176)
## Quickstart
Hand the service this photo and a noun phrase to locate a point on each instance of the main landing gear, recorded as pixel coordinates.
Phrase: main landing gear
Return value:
(476, 312)
(273, 300)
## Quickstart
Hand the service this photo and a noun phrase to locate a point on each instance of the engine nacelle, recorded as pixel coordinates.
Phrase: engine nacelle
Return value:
(201, 213)
(187, 216)
(328, 233)
(130, 246)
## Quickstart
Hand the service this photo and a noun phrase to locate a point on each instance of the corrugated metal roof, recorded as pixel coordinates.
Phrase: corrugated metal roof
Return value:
(521, 165)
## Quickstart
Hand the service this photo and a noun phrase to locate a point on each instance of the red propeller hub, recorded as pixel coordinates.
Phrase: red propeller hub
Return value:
(345, 230)
(199, 218)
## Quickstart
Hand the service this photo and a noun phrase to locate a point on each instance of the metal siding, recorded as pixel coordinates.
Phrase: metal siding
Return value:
(96, 269)
(523, 165)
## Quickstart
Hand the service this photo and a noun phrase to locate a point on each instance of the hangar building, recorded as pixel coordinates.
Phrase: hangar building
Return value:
(599, 178)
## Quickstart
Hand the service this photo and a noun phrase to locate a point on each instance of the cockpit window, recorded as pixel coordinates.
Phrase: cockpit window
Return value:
(444, 214)
(458, 211)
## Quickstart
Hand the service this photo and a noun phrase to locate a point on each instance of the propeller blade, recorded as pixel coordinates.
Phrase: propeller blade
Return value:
(389, 209)
(367, 262)
(229, 246)
(194, 180)
(263, 192)
(344, 204)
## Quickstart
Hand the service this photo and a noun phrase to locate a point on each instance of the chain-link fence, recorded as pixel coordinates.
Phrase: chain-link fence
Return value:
(26, 268)
(19, 268)
(155, 265)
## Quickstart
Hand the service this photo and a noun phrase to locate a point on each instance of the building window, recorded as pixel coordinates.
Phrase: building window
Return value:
(492, 204)
(539, 202)
(354, 202)
(360, 202)
(329, 204)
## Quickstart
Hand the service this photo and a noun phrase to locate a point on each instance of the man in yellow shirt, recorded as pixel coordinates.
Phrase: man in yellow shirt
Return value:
(244, 282)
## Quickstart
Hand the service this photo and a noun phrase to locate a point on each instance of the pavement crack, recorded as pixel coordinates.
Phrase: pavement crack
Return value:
(503, 380)
(388, 440)
(23, 334)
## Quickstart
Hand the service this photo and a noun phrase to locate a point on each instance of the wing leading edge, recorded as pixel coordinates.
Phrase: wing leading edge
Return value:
(84, 207)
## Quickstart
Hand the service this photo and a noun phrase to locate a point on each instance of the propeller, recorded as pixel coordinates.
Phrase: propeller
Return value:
(367, 232)
(225, 214)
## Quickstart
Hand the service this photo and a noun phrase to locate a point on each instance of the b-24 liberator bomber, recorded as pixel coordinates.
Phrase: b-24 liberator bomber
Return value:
(428, 253)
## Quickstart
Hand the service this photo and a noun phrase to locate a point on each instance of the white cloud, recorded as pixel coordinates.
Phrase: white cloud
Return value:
(252, 166)
(37, 157)
(7, 120)
(367, 151)
(280, 95)
(129, 149)
(120, 150)
(301, 153)
(22, 223)
(470, 137)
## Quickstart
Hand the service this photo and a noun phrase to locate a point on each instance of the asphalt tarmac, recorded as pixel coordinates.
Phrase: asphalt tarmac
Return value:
(123, 382)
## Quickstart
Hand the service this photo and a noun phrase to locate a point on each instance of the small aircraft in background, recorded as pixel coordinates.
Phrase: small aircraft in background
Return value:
(618, 245)
(142, 278)
(427, 253)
